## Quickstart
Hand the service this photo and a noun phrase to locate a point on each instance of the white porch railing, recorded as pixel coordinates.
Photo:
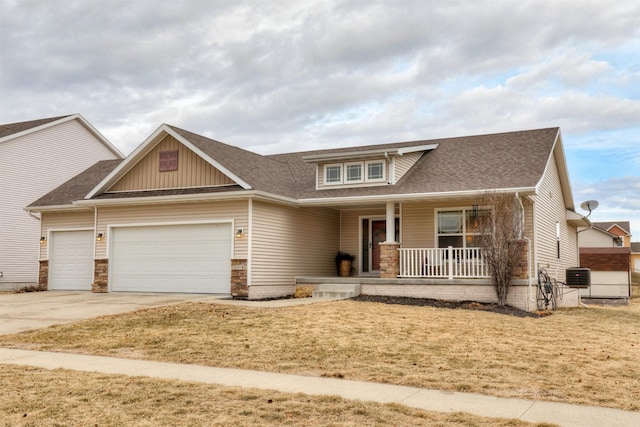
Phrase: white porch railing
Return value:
(446, 263)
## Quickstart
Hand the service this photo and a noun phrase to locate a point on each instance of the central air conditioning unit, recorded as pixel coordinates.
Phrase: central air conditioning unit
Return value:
(578, 277)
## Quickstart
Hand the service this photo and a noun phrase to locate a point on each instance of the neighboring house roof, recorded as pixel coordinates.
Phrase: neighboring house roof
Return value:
(68, 192)
(511, 161)
(608, 225)
(14, 130)
(635, 246)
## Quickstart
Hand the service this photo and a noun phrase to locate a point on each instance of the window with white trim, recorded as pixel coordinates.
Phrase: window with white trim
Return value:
(353, 172)
(375, 170)
(460, 228)
(333, 174)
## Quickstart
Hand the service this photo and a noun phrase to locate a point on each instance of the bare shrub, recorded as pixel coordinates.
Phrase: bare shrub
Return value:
(501, 225)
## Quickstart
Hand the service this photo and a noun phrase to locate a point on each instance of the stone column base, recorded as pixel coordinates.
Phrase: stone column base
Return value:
(100, 276)
(239, 287)
(43, 275)
(389, 260)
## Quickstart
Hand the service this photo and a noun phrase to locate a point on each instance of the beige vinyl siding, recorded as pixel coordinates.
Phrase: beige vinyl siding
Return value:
(69, 220)
(287, 242)
(350, 220)
(31, 165)
(174, 213)
(419, 224)
(322, 185)
(192, 171)
(404, 163)
(590, 238)
(549, 208)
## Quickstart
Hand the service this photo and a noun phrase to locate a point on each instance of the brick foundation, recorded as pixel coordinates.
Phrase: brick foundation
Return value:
(239, 287)
(100, 276)
(43, 275)
(389, 260)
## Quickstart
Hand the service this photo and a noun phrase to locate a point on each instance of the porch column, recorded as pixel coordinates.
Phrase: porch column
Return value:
(391, 223)
(389, 256)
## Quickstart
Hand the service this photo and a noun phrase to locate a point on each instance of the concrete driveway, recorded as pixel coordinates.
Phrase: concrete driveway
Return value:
(35, 310)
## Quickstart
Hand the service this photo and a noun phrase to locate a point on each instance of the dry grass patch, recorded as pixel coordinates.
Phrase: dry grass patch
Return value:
(587, 356)
(37, 397)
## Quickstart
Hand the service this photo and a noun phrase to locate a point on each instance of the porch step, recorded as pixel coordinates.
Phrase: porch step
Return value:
(337, 291)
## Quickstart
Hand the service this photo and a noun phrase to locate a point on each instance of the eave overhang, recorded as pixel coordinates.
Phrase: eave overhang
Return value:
(362, 154)
(444, 195)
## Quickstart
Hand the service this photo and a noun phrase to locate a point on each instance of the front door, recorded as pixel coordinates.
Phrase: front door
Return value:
(374, 232)
(378, 235)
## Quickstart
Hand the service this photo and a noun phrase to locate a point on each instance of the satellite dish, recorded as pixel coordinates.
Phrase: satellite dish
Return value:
(589, 205)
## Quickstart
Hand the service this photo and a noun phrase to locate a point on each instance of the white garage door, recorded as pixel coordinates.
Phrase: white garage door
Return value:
(178, 258)
(71, 260)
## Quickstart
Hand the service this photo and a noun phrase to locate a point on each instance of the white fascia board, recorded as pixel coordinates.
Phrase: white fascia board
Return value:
(181, 198)
(367, 153)
(38, 128)
(576, 219)
(98, 135)
(406, 150)
(208, 159)
(348, 155)
(82, 121)
(56, 208)
(411, 196)
(129, 162)
(557, 153)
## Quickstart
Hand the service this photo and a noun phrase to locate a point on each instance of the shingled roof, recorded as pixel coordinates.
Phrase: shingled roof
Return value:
(606, 225)
(78, 186)
(13, 128)
(511, 160)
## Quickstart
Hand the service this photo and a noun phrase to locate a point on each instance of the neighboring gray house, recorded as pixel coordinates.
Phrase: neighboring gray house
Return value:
(35, 157)
(185, 213)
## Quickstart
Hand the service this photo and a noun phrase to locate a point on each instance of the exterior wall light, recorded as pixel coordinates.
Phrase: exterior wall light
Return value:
(99, 237)
(43, 240)
(239, 233)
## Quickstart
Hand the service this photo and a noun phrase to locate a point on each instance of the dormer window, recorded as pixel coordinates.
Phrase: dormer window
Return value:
(333, 174)
(371, 171)
(375, 171)
(168, 161)
(353, 172)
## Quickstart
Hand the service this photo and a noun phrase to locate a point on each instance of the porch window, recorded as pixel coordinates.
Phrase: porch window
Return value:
(460, 228)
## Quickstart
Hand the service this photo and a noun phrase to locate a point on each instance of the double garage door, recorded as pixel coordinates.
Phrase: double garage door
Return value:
(192, 258)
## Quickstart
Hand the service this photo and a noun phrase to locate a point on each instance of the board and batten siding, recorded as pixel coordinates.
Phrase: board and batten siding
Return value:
(192, 171)
(549, 209)
(174, 213)
(287, 242)
(31, 165)
(64, 221)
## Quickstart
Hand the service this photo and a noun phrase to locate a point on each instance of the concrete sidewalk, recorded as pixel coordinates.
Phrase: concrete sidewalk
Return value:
(430, 400)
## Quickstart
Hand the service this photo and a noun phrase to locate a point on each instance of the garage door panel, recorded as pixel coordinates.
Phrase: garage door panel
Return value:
(71, 260)
(176, 258)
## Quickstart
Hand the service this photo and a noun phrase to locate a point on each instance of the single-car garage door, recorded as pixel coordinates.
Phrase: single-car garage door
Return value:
(175, 258)
(71, 260)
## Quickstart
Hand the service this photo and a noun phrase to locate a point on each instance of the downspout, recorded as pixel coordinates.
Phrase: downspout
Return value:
(529, 278)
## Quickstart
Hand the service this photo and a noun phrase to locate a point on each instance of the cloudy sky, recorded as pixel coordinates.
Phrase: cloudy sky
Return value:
(277, 76)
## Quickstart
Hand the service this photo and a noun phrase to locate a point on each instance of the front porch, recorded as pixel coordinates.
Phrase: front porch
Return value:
(457, 289)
